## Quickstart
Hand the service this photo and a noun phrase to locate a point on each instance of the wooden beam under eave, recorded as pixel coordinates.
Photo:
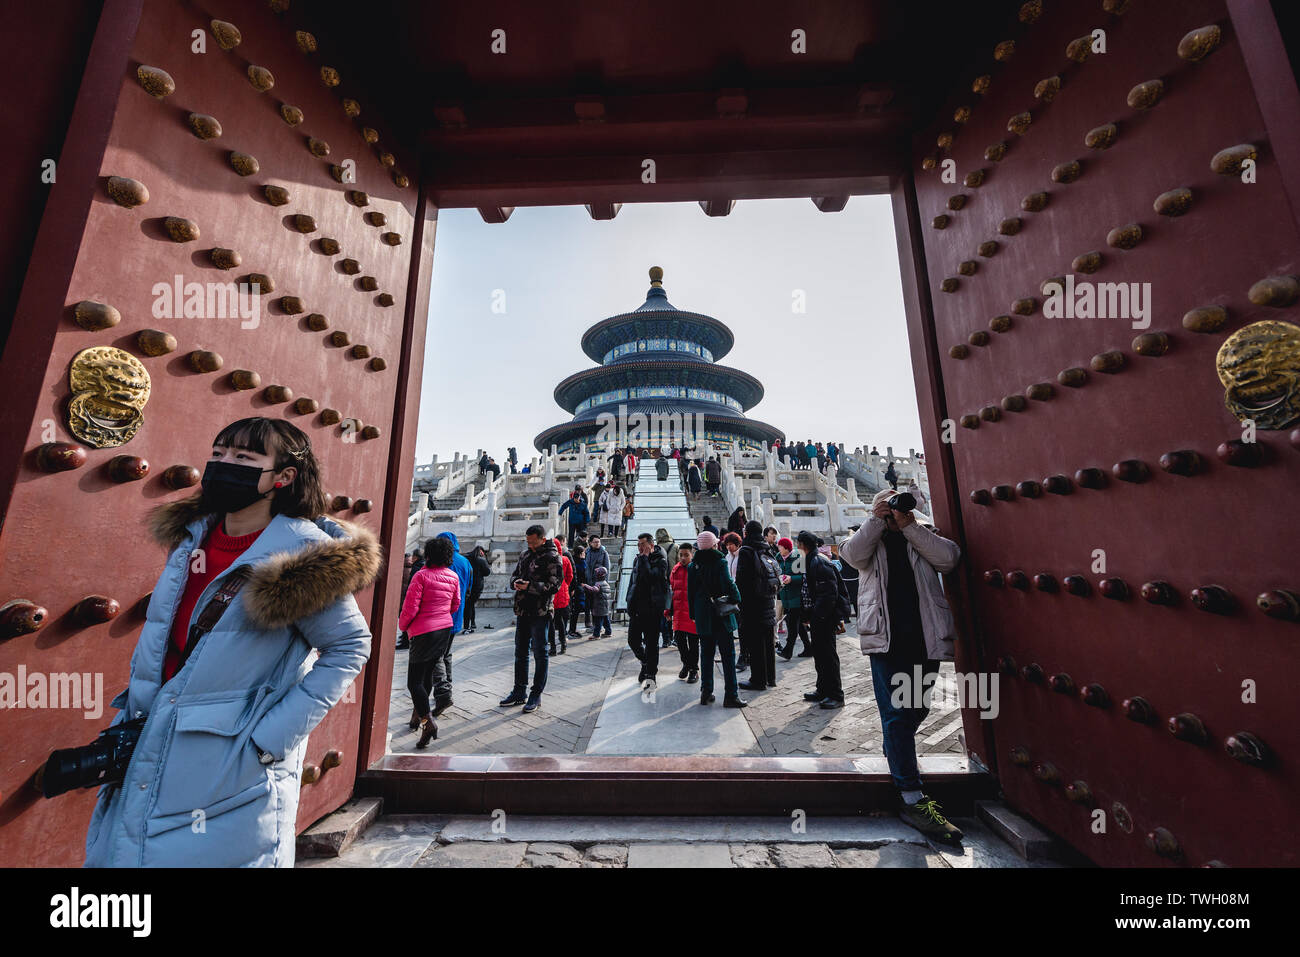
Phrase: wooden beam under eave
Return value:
(831, 204)
(495, 214)
(717, 207)
(603, 210)
(495, 180)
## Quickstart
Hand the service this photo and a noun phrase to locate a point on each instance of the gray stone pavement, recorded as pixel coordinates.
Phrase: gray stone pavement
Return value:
(592, 705)
(765, 842)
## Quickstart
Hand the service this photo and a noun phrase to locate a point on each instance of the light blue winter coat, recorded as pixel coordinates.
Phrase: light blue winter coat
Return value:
(252, 682)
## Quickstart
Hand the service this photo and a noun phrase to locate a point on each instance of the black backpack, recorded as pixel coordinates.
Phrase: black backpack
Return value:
(771, 572)
(846, 604)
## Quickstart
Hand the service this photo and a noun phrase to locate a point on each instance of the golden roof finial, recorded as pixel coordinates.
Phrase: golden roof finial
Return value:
(656, 275)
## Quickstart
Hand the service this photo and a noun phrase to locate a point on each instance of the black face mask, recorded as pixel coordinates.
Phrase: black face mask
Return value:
(229, 487)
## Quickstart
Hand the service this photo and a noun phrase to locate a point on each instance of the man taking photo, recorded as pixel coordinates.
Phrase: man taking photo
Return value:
(903, 621)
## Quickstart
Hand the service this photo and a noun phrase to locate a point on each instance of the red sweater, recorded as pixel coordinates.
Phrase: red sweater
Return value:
(219, 553)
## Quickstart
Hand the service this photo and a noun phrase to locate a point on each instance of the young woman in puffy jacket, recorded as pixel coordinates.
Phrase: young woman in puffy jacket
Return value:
(226, 716)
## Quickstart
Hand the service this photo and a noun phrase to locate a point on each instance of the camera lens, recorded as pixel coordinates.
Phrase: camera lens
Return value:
(76, 768)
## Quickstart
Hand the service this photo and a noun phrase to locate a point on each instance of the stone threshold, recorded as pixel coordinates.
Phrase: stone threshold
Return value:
(681, 785)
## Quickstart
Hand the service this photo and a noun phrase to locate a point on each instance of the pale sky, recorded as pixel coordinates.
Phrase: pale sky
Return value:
(840, 371)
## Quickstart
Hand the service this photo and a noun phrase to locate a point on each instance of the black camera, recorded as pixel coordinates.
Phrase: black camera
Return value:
(103, 761)
(902, 502)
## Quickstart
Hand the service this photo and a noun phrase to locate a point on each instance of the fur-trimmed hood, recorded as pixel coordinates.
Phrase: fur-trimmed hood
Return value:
(332, 559)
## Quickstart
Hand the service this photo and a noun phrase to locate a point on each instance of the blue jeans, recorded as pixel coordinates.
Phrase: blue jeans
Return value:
(596, 622)
(899, 724)
(725, 643)
(530, 634)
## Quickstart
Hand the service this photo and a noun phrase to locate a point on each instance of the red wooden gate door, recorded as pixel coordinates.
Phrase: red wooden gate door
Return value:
(255, 164)
(1131, 540)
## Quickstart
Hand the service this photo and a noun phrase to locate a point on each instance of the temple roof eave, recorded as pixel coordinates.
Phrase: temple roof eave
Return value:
(707, 331)
(741, 386)
(743, 425)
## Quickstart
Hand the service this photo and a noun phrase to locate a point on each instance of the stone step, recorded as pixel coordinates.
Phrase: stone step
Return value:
(514, 841)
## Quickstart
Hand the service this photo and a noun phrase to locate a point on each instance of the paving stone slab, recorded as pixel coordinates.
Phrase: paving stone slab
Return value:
(395, 840)
(605, 855)
(802, 855)
(473, 854)
(751, 855)
(679, 855)
(897, 854)
(552, 856)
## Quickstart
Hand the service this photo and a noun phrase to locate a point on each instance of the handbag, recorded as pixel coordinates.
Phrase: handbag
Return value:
(724, 606)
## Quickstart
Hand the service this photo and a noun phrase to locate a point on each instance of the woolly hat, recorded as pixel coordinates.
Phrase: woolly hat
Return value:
(601, 573)
(785, 543)
(706, 539)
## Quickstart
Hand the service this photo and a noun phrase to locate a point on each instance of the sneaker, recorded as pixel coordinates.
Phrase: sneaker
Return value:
(534, 702)
(925, 816)
(511, 699)
(681, 675)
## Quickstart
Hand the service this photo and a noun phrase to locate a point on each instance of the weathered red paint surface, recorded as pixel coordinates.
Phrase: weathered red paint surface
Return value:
(71, 534)
(1228, 526)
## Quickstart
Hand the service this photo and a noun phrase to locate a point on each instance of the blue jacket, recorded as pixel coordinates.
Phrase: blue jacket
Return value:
(581, 514)
(465, 572)
(195, 793)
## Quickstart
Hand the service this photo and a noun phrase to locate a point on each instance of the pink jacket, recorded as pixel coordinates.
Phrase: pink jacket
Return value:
(431, 599)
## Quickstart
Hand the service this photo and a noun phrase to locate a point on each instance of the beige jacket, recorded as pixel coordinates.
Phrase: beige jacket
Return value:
(930, 554)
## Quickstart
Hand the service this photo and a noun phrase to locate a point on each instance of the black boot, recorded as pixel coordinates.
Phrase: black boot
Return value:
(428, 732)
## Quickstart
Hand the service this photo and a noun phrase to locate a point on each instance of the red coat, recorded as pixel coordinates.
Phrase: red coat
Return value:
(682, 620)
(562, 596)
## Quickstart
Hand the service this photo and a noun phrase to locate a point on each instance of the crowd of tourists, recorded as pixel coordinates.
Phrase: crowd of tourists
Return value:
(736, 600)
(807, 454)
